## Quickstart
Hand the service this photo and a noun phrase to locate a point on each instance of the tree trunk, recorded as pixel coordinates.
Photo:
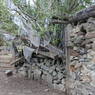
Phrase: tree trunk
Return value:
(84, 14)
(80, 16)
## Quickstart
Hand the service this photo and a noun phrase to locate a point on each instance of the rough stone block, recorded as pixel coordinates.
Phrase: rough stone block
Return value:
(59, 87)
(9, 72)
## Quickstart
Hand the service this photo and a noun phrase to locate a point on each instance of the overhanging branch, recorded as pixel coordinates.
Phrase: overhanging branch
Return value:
(80, 16)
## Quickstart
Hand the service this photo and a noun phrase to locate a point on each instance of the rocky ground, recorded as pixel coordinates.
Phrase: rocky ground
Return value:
(19, 85)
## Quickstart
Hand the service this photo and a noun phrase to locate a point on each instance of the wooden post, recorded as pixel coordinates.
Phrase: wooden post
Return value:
(67, 55)
(14, 49)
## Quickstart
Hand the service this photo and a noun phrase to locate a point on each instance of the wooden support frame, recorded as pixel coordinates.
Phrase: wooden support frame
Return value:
(67, 60)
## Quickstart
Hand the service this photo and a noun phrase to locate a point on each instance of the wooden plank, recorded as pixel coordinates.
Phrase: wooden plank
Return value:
(47, 54)
(17, 60)
(54, 50)
(14, 49)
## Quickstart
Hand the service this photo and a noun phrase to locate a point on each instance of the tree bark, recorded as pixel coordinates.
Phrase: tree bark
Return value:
(79, 16)
(84, 14)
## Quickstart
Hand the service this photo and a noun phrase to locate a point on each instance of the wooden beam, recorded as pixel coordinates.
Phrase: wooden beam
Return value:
(47, 54)
(79, 16)
(83, 14)
(67, 54)
(54, 50)
(17, 60)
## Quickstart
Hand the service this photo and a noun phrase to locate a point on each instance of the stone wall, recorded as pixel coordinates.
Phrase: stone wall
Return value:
(82, 65)
(46, 70)
(50, 72)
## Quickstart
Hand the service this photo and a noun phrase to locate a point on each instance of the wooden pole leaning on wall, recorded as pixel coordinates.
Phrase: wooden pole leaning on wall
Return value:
(67, 60)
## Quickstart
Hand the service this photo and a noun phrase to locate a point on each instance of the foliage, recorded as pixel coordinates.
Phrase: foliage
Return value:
(43, 10)
(5, 19)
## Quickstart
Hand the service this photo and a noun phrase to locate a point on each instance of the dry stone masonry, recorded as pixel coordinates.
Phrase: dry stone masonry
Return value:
(49, 66)
(48, 71)
(82, 66)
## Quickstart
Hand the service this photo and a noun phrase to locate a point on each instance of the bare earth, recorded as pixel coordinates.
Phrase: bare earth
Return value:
(18, 85)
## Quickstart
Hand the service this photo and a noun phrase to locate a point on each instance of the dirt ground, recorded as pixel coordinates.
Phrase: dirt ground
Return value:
(16, 85)
(19, 85)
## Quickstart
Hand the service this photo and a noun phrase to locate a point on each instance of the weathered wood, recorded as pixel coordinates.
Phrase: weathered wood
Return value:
(79, 16)
(67, 54)
(54, 50)
(84, 14)
(17, 60)
(59, 22)
(14, 49)
(59, 53)
(47, 54)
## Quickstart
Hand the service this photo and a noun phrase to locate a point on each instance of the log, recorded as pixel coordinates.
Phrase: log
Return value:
(79, 16)
(59, 22)
(29, 52)
(55, 54)
(14, 49)
(84, 14)
(54, 50)
(17, 60)
(59, 52)
(47, 54)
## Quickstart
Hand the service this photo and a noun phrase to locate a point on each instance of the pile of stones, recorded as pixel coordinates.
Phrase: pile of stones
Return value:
(53, 74)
